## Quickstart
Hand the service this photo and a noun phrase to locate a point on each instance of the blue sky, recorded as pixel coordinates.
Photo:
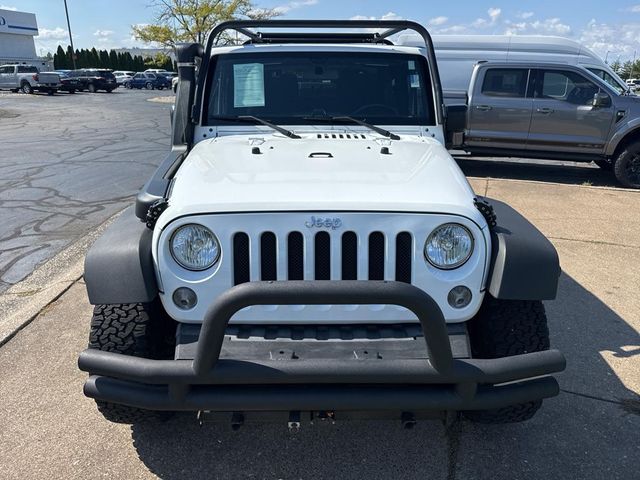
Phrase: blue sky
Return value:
(612, 26)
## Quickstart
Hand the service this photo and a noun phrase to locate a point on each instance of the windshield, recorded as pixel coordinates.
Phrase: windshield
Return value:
(609, 79)
(290, 87)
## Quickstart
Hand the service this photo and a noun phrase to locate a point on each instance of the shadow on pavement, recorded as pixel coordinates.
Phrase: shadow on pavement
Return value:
(571, 173)
(584, 433)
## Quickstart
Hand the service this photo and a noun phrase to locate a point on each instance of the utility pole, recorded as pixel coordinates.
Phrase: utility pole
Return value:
(73, 50)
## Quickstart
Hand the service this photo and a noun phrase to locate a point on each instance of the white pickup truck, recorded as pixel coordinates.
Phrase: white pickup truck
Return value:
(27, 78)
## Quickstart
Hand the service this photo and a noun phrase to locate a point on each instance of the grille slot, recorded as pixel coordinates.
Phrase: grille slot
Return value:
(295, 256)
(349, 256)
(376, 256)
(323, 256)
(404, 248)
(268, 256)
(240, 258)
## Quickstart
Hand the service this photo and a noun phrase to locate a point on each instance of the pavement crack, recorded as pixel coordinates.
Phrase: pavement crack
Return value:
(594, 242)
(629, 405)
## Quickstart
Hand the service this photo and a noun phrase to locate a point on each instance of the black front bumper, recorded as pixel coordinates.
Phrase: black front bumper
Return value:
(211, 383)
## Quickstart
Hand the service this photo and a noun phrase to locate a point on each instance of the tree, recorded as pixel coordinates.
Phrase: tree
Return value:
(60, 59)
(191, 20)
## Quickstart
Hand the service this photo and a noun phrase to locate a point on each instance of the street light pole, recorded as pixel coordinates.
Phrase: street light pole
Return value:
(73, 51)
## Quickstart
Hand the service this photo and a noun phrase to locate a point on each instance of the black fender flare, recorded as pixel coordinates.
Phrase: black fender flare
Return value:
(524, 263)
(119, 266)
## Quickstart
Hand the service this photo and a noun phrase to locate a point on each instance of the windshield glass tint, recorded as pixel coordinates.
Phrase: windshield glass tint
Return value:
(286, 87)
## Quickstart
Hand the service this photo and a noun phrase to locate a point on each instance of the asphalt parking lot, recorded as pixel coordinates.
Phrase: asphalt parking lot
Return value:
(48, 429)
(68, 163)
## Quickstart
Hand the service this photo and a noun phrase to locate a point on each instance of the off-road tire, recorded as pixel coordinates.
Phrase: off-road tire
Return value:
(504, 328)
(26, 88)
(627, 166)
(139, 330)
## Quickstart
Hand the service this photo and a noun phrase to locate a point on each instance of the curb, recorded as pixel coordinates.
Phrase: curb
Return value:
(24, 301)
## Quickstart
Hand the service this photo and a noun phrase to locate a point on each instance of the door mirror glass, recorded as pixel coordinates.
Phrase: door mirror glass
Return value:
(601, 100)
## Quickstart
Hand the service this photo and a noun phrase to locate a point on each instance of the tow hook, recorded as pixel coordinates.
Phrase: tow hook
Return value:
(294, 422)
(408, 420)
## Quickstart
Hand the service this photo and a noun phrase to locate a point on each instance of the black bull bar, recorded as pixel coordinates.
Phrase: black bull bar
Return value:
(210, 383)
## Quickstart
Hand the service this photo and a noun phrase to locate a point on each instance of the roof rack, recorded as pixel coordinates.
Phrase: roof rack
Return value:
(247, 28)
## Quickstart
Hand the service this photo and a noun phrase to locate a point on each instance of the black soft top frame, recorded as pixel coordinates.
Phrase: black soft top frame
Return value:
(388, 27)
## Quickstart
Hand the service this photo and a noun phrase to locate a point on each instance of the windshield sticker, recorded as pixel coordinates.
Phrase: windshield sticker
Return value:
(412, 65)
(248, 85)
(414, 80)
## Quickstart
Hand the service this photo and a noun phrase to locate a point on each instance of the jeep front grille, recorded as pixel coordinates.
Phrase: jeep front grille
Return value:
(323, 256)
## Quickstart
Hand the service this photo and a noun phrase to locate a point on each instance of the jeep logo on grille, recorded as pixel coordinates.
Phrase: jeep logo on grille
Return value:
(323, 222)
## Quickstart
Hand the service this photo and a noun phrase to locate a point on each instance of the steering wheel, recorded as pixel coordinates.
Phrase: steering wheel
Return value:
(380, 107)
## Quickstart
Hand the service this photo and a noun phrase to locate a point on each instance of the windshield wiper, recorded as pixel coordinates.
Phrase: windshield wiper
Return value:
(344, 118)
(252, 119)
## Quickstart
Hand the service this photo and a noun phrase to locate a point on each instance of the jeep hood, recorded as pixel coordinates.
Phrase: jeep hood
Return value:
(319, 174)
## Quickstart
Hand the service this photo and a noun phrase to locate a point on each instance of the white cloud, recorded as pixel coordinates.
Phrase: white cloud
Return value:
(437, 21)
(52, 34)
(103, 33)
(494, 14)
(634, 9)
(7, 7)
(386, 16)
(286, 8)
(549, 26)
(525, 15)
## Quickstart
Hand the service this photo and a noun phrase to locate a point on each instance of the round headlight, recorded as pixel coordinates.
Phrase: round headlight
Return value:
(194, 247)
(449, 246)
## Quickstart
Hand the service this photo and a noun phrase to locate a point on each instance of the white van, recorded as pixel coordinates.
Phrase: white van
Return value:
(457, 55)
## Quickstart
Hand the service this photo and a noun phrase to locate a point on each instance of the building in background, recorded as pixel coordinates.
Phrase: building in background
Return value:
(17, 45)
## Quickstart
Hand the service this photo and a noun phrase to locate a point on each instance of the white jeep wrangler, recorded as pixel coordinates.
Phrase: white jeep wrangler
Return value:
(309, 248)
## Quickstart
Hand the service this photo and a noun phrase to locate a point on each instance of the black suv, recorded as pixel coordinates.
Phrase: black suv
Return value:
(93, 79)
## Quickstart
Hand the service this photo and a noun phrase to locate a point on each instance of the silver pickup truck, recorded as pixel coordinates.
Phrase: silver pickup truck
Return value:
(549, 111)
(27, 78)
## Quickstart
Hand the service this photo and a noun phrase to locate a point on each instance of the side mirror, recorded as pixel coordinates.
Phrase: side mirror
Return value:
(601, 100)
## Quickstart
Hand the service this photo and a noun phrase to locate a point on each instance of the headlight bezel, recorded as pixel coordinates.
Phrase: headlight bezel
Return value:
(190, 268)
(457, 264)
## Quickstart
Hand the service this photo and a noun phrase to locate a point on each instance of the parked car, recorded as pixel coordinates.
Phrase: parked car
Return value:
(94, 79)
(156, 70)
(27, 78)
(122, 77)
(323, 269)
(551, 111)
(69, 82)
(150, 81)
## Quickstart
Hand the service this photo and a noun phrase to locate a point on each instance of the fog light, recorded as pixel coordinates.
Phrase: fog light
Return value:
(185, 298)
(459, 297)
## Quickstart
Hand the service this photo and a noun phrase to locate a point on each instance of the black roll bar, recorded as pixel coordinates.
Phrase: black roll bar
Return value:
(391, 27)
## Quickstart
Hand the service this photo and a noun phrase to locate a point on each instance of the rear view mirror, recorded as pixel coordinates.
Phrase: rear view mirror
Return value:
(601, 100)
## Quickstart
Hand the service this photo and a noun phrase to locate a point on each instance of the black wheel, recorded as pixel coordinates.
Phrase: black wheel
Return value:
(51, 91)
(72, 91)
(26, 88)
(627, 166)
(109, 90)
(91, 88)
(148, 86)
(604, 164)
(504, 328)
(138, 330)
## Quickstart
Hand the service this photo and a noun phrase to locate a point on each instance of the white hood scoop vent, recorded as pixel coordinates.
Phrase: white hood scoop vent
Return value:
(342, 136)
